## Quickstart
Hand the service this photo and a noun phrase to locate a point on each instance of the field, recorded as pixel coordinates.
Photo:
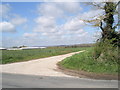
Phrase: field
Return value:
(84, 61)
(11, 56)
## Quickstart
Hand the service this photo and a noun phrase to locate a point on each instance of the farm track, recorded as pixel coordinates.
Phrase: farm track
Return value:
(43, 66)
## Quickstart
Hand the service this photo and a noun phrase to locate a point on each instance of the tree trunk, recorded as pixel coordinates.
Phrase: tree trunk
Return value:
(108, 30)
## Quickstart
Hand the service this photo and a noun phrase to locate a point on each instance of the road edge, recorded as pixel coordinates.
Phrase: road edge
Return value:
(84, 74)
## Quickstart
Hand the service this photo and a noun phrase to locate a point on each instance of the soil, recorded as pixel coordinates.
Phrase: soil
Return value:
(84, 74)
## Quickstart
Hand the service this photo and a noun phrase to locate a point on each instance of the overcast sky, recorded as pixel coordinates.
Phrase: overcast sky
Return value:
(44, 24)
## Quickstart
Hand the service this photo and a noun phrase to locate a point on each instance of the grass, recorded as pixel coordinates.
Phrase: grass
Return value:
(11, 56)
(86, 62)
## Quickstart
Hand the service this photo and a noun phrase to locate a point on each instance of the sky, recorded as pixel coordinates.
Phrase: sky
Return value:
(46, 23)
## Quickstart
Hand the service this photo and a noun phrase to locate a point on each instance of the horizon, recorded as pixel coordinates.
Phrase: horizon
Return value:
(51, 45)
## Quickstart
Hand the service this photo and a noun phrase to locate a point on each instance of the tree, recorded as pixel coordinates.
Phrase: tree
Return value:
(107, 47)
(106, 21)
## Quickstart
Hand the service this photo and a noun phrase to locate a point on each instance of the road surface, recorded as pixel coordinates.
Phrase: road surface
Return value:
(32, 81)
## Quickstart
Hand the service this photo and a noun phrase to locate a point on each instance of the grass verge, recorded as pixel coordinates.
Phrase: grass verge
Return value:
(85, 62)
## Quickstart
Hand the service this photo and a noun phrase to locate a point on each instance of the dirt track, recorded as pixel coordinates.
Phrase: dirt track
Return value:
(44, 66)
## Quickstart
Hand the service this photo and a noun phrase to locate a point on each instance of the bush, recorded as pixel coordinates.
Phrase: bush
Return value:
(106, 51)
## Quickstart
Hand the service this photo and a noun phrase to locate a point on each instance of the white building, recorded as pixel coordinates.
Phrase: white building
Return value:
(2, 48)
(24, 48)
(13, 49)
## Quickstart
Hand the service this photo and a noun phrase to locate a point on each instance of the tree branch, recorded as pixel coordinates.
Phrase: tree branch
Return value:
(99, 6)
(101, 26)
(117, 4)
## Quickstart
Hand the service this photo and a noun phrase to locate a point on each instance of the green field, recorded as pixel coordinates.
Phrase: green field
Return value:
(10, 56)
(85, 61)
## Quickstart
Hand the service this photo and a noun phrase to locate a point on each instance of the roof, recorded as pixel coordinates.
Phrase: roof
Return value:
(2, 48)
(32, 47)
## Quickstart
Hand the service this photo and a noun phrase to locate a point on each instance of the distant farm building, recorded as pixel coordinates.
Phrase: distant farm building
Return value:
(23, 48)
(13, 49)
(32, 48)
(3, 49)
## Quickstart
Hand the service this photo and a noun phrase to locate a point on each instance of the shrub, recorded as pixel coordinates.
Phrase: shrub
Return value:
(106, 51)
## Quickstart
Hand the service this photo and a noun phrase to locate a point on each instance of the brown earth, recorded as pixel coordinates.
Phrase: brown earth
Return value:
(84, 74)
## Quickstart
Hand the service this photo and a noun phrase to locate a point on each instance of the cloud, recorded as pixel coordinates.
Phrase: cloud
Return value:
(70, 7)
(18, 20)
(74, 24)
(7, 27)
(92, 14)
(10, 26)
(30, 34)
(4, 10)
(70, 29)
(50, 12)
(45, 25)
(11, 20)
(50, 9)
(46, 22)
(58, 9)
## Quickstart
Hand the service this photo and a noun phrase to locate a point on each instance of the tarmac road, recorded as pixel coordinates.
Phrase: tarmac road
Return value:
(34, 81)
